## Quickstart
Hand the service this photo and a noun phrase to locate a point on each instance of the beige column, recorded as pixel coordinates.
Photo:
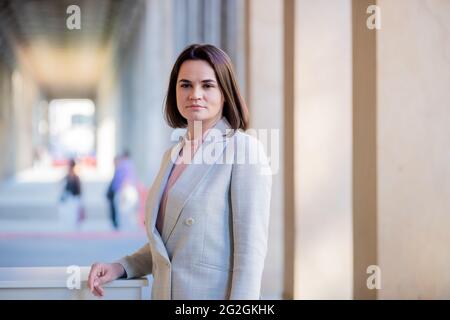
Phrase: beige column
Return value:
(413, 51)
(25, 97)
(157, 57)
(19, 96)
(6, 143)
(265, 99)
(323, 150)
(107, 102)
(131, 93)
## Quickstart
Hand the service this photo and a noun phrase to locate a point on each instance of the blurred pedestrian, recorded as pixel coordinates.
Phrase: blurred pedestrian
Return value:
(122, 194)
(110, 194)
(71, 210)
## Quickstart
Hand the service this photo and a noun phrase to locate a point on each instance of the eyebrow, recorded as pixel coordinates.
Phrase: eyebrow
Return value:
(204, 81)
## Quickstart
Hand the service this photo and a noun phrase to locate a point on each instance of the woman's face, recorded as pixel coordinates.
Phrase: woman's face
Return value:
(199, 97)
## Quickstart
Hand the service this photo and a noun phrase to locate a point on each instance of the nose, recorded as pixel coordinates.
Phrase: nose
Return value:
(195, 94)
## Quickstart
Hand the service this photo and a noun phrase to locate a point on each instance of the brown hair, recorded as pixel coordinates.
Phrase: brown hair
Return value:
(234, 108)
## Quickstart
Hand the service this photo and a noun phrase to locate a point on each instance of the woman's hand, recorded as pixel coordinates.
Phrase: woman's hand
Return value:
(102, 273)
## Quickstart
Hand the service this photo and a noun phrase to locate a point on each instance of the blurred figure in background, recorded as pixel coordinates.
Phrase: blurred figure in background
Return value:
(71, 210)
(123, 194)
(110, 194)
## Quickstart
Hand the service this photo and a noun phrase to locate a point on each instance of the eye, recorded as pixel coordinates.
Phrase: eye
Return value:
(207, 85)
(184, 85)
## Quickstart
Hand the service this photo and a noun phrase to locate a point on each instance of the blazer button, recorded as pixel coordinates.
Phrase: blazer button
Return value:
(189, 221)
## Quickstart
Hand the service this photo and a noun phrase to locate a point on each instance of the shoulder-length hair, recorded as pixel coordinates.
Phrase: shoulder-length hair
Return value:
(234, 108)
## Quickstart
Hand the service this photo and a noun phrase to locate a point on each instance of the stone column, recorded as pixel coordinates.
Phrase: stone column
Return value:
(212, 21)
(145, 65)
(265, 99)
(323, 149)
(6, 143)
(158, 58)
(413, 80)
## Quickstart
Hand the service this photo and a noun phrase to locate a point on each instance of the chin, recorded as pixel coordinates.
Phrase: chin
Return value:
(196, 116)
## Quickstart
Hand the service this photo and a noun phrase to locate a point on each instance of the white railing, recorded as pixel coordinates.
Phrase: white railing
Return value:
(63, 283)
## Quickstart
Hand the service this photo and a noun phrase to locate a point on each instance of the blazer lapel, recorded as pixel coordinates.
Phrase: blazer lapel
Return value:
(204, 159)
(154, 197)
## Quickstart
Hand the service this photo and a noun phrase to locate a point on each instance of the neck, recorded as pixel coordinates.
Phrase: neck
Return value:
(197, 128)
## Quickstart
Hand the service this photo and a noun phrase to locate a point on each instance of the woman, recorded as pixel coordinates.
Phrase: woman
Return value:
(207, 219)
(70, 208)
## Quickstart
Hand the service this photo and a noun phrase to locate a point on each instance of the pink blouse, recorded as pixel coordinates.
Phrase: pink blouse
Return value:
(176, 172)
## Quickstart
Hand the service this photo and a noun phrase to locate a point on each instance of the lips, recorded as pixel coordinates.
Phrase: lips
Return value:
(196, 106)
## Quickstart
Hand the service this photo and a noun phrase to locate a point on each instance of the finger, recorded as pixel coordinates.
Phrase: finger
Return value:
(98, 291)
(91, 278)
(98, 288)
(92, 274)
(95, 287)
(102, 291)
(94, 292)
(99, 280)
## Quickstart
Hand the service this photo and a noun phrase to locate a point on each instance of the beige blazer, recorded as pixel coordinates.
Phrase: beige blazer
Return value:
(214, 240)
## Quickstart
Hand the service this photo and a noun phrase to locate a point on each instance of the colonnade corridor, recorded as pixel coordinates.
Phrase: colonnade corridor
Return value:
(53, 108)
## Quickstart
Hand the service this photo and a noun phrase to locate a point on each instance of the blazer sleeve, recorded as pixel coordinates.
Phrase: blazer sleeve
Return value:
(137, 264)
(251, 183)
